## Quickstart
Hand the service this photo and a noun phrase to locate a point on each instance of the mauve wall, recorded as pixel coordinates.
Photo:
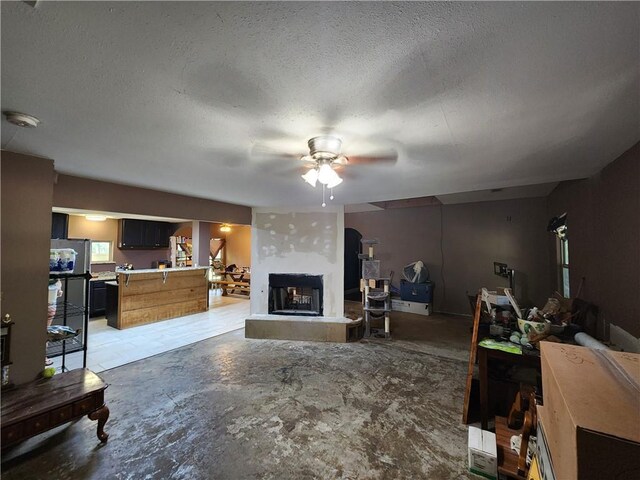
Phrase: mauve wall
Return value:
(461, 242)
(27, 184)
(603, 218)
(86, 194)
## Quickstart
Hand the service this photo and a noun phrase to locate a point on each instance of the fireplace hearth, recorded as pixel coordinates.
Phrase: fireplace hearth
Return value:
(295, 294)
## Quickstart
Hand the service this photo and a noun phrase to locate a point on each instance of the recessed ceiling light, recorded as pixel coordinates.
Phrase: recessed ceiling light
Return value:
(22, 119)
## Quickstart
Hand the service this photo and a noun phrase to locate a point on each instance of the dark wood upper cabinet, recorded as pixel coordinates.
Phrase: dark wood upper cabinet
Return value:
(59, 225)
(143, 234)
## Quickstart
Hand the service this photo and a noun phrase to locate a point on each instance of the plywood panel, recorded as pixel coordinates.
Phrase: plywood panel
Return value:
(145, 300)
(141, 316)
(149, 284)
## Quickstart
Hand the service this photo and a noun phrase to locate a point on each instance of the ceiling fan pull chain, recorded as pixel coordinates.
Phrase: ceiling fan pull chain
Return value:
(324, 204)
(331, 196)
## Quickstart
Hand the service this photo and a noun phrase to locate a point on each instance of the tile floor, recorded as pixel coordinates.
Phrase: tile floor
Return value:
(109, 347)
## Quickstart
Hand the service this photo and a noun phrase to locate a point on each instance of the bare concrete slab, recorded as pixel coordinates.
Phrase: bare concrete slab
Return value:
(235, 408)
(291, 327)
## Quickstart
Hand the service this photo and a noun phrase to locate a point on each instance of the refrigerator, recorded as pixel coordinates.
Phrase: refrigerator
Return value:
(75, 292)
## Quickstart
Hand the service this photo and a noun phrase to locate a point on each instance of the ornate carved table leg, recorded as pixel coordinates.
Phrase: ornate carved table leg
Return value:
(102, 415)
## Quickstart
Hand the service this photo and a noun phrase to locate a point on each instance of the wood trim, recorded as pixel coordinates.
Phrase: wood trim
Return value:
(472, 360)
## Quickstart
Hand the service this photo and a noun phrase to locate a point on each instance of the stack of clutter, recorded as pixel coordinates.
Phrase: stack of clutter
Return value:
(416, 291)
(416, 287)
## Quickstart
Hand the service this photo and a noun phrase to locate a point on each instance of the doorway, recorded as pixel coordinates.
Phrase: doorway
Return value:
(352, 264)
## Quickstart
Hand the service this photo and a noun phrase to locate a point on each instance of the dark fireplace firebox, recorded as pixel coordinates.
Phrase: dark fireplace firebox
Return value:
(295, 294)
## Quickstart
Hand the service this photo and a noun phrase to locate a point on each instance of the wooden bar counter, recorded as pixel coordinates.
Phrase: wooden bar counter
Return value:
(146, 296)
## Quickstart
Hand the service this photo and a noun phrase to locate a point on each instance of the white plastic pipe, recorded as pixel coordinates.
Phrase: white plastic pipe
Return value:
(588, 341)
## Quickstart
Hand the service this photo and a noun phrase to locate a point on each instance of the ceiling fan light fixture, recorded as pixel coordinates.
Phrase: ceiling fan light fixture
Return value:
(326, 174)
(311, 177)
(334, 182)
(325, 145)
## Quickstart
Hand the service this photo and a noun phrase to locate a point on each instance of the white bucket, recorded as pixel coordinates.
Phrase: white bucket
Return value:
(53, 293)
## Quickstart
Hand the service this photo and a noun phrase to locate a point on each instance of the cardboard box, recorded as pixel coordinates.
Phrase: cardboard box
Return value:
(591, 415)
(410, 307)
(483, 458)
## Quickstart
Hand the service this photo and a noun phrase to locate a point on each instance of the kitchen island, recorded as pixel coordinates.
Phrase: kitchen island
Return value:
(146, 296)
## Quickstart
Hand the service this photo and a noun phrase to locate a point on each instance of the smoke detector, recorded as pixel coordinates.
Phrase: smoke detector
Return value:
(22, 119)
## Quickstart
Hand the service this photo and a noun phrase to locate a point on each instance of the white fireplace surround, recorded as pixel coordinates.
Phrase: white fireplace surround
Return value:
(298, 241)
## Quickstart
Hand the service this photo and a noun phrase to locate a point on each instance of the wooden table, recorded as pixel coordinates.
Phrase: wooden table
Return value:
(46, 403)
(484, 354)
(234, 281)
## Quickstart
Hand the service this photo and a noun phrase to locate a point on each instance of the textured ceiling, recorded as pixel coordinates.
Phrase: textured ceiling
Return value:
(178, 96)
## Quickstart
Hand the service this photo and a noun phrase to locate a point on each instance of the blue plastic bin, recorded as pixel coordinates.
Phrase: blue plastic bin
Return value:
(416, 292)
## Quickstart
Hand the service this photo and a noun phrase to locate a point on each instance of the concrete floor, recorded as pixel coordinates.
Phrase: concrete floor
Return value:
(230, 407)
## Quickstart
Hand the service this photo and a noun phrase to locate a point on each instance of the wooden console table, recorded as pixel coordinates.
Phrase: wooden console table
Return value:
(41, 405)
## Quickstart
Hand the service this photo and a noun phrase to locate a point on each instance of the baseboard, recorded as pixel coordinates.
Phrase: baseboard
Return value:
(623, 339)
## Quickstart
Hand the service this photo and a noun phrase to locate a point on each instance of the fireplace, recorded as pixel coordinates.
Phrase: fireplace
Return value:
(295, 294)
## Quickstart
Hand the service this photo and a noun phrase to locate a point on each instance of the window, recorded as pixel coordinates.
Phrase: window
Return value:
(101, 251)
(564, 266)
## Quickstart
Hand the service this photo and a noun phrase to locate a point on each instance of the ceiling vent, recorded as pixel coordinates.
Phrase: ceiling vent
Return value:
(22, 119)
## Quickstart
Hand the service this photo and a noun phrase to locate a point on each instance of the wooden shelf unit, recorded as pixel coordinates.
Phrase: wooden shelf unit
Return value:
(181, 251)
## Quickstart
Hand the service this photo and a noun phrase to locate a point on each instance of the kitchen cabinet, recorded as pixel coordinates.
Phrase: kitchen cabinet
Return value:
(112, 304)
(98, 298)
(143, 234)
(59, 225)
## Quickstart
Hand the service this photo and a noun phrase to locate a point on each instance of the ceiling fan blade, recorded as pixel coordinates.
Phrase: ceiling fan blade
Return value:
(263, 153)
(389, 158)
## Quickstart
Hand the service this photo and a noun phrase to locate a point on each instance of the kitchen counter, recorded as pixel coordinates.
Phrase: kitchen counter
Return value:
(104, 278)
(151, 295)
(156, 270)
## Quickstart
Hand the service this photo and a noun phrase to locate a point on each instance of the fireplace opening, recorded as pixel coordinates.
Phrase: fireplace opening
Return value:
(295, 294)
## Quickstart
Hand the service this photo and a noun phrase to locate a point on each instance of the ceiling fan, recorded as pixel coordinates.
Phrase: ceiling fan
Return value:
(325, 158)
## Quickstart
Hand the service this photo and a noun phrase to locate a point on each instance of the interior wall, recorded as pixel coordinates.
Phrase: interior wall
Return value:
(87, 194)
(27, 187)
(459, 243)
(200, 241)
(238, 246)
(603, 220)
(298, 240)
(80, 227)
